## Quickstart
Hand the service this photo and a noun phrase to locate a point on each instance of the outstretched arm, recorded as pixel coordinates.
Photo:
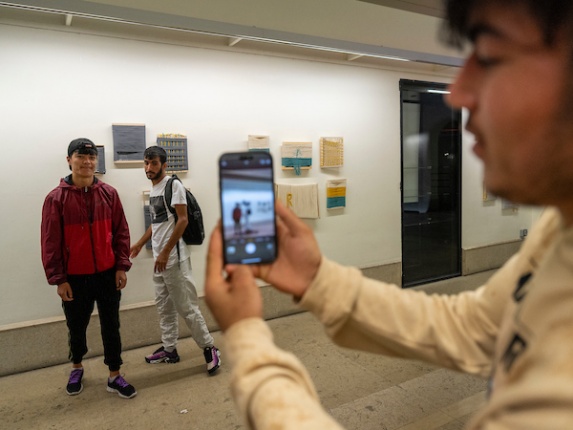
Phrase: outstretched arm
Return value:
(271, 387)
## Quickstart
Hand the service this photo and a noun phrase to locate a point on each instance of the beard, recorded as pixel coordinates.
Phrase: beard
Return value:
(152, 176)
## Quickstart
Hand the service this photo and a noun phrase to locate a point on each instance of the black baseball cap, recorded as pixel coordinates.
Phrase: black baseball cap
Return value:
(82, 146)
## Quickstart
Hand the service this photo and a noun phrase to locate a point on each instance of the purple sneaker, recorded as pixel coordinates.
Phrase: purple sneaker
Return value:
(213, 359)
(75, 386)
(161, 355)
(121, 387)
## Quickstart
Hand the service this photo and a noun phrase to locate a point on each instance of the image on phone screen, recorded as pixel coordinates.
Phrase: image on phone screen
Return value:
(247, 207)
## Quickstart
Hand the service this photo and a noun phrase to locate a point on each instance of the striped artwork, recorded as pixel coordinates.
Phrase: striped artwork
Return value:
(258, 143)
(335, 193)
(296, 156)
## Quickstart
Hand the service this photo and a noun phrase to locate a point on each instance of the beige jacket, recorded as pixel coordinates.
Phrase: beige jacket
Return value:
(517, 330)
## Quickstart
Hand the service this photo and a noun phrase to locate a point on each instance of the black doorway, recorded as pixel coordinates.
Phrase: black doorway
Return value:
(430, 184)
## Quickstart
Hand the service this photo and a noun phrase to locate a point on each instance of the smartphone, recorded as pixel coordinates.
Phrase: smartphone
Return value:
(247, 195)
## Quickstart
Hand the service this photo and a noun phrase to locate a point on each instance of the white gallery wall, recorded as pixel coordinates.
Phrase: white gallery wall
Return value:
(56, 86)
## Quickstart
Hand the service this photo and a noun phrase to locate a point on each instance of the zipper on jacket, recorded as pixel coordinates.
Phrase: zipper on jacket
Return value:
(90, 222)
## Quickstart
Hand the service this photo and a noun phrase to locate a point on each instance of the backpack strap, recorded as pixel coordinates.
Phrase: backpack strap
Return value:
(168, 195)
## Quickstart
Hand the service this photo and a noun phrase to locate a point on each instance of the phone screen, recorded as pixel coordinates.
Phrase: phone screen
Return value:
(247, 207)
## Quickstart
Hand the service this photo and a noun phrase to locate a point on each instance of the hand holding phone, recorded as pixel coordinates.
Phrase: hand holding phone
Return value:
(247, 207)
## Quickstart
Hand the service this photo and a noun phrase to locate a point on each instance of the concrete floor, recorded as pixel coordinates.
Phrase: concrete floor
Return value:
(362, 391)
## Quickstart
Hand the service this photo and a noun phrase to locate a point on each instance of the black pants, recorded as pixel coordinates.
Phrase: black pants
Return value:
(87, 290)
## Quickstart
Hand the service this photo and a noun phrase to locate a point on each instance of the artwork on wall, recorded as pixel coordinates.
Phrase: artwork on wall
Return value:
(302, 199)
(296, 156)
(335, 193)
(128, 143)
(507, 206)
(100, 169)
(258, 143)
(331, 152)
(487, 196)
(176, 147)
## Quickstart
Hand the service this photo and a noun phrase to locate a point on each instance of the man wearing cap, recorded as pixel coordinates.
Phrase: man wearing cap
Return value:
(85, 252)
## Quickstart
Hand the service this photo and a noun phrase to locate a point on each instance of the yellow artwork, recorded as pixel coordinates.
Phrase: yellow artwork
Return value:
(335, 193)
(331, 152)
(302, 199)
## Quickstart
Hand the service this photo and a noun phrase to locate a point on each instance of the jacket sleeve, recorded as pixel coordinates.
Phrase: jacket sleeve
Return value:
(52, 241)
(454, 331)
(121, 239)
(271, 387)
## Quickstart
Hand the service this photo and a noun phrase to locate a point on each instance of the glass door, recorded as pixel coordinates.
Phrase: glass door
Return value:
(431, 200)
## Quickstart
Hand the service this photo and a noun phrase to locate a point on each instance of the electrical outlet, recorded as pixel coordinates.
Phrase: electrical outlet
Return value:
(523, 233)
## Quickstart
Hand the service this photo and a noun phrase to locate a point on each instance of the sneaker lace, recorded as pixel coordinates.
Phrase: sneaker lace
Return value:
(121, 382)
(76, 375)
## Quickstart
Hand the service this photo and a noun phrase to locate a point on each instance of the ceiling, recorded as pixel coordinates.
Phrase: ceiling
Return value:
(425, 7)
(90, 16)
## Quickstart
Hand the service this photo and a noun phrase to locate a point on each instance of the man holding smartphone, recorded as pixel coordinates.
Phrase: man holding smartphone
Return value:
(175, 291)
(517, 328)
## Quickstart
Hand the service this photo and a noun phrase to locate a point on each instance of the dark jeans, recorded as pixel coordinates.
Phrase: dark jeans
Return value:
(87, 290)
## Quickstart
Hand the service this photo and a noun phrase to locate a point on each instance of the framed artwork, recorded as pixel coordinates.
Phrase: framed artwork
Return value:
(335, 193)
(331, 152)
(486, 195)
(175, 146)
(100, 169)
(302, 199)
(258, 143)
(296, 156)
(128, 143)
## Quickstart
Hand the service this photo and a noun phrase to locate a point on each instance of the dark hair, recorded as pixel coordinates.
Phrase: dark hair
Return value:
(155, 151)
(551, 15)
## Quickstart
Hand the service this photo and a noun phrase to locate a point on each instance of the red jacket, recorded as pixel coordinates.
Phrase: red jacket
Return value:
(84, 231)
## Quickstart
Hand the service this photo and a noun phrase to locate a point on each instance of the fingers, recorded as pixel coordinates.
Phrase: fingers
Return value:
(288, 219)
(242, 277)
(215, 255)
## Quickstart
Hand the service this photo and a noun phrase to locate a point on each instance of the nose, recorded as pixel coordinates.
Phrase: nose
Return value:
(463, 91)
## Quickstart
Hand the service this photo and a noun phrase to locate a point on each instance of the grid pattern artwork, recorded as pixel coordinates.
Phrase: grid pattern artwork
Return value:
(176, 147)
(331, 152)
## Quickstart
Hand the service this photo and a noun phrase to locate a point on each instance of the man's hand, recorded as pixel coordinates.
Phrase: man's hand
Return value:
(120, 280)
(65, 292)
(234, 298)
(161, 262)
(134, 251)
(298, 258)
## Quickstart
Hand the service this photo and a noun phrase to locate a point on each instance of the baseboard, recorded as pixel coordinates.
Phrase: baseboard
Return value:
(42, 343)
(480, 259)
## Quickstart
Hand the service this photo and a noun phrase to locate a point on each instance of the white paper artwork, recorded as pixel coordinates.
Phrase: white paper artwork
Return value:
(302, 199)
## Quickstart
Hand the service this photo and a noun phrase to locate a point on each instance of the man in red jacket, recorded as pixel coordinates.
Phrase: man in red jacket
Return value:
(85, 252)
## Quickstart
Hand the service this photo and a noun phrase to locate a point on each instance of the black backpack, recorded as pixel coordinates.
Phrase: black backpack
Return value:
(194, 233)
